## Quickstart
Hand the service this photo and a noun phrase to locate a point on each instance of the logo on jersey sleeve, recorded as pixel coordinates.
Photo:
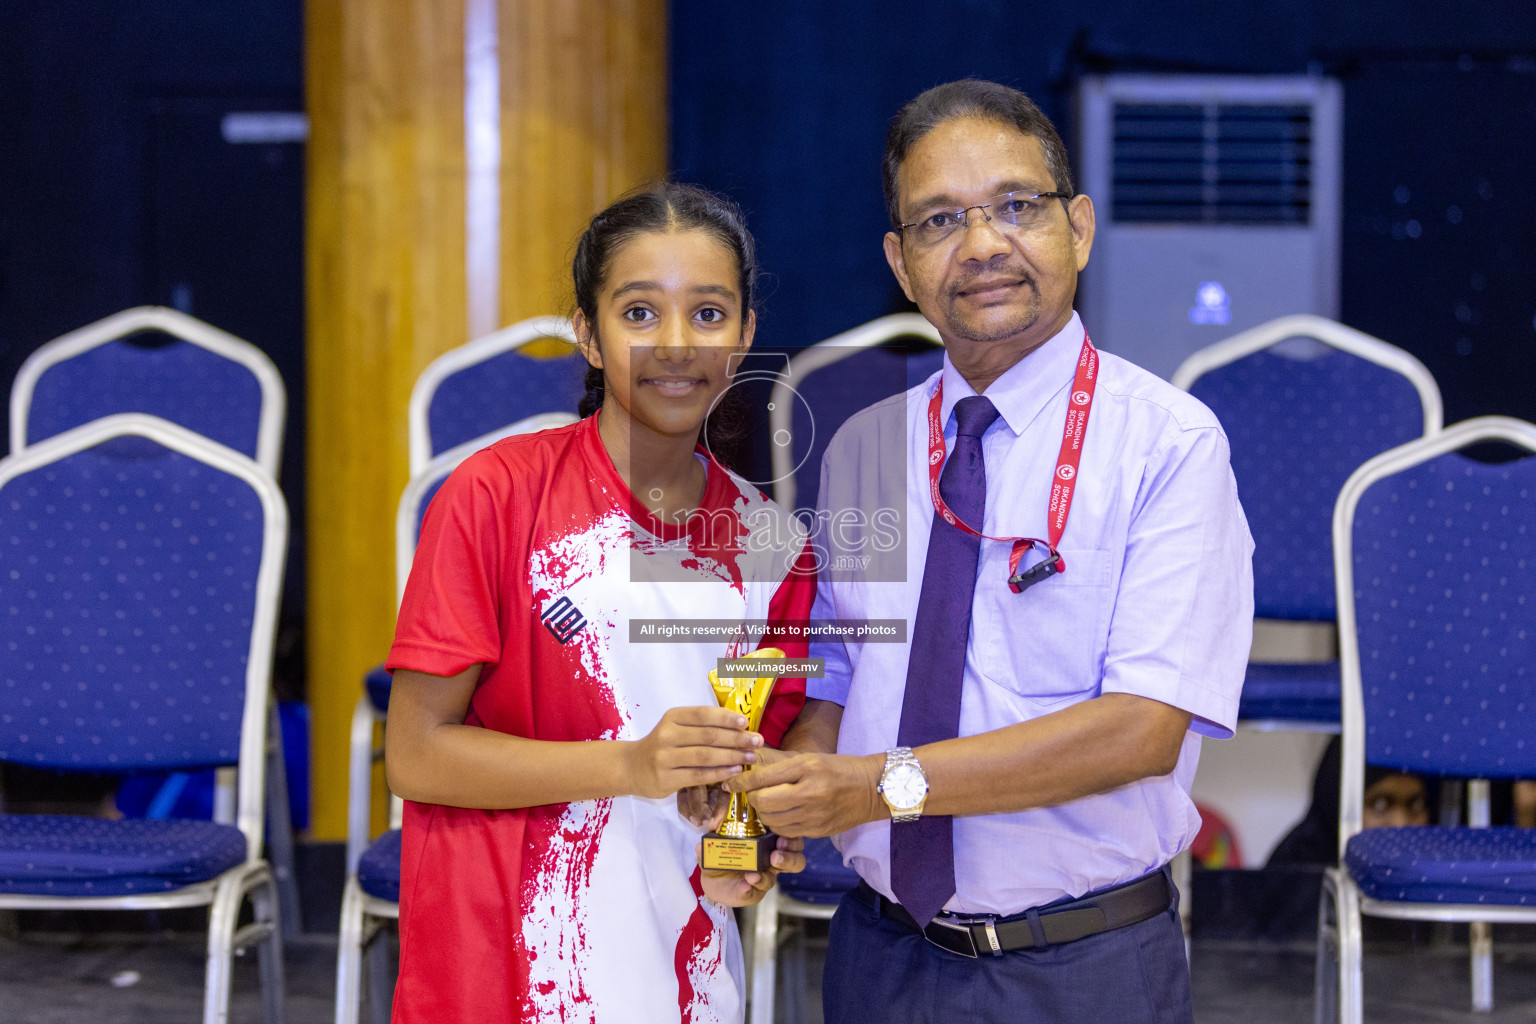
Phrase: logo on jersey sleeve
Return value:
(563, 619)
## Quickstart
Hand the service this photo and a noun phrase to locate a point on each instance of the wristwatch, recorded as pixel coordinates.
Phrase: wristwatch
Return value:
(903, 786)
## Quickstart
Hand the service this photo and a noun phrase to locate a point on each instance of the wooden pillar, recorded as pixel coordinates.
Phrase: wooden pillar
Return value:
(398, 218)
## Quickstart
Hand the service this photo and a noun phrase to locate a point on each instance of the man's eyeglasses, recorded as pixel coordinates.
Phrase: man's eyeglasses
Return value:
(1023, 210)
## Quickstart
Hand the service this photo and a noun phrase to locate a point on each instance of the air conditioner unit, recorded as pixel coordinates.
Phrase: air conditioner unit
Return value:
(1218, 207)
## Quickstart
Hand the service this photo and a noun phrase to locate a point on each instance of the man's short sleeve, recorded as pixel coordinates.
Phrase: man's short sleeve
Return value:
(838, 673)
(1183, 619)
(449, 618)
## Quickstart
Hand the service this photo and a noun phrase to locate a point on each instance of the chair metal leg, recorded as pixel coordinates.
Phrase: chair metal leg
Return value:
(280, 828)
(796, 977)
(222, 914)
(267, 900)
(224, 939)
(765, 943)
(1339, 991)
(1325, 984)
(349, 954)
(1481, 933)
(359, 780)
(1351, 967)
(381, 983)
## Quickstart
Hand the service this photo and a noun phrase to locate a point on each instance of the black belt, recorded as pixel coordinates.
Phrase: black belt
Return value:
(1063, 921)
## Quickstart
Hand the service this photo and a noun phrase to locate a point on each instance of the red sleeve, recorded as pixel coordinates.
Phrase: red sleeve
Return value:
(449, 616)
(791, 605)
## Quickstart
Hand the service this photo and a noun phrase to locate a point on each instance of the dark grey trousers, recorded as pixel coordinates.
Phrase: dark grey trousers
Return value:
(880, 970)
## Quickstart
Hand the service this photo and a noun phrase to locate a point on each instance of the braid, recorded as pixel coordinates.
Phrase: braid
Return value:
(592, 400)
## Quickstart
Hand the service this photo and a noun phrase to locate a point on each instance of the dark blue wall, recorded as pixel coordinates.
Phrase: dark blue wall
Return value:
(784, 106)
(84, 88)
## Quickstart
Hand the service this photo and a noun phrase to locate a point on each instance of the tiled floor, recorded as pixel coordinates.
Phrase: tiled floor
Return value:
(1265, 984)
(55, 979)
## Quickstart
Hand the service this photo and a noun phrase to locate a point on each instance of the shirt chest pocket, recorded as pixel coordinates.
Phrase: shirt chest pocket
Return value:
(1047, 643)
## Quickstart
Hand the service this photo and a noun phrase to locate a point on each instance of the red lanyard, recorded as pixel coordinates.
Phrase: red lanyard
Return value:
(1062, 484)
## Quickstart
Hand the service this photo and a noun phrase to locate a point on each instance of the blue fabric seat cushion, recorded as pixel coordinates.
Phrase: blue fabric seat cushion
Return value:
(825, 878)
(1294, 693)
(378, 870)
(1435, 864)
(377, 682)
(61, 855)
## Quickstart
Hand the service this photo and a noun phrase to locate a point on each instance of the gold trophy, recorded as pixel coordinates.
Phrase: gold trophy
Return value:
(742, 842)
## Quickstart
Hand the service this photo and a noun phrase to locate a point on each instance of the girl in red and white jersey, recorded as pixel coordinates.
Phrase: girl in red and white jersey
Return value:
(537, 731)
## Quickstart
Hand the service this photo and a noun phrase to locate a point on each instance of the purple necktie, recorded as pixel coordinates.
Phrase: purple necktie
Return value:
(923, 851)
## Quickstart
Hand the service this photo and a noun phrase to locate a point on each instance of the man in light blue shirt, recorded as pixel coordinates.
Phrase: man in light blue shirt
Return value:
(1011, 783)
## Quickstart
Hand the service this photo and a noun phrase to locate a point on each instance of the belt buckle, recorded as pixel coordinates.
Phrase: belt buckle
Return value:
(963, 925)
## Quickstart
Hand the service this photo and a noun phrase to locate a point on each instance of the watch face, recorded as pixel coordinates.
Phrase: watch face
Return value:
(904, 786)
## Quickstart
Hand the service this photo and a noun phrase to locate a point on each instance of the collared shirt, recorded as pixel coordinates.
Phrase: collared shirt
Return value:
(1156, 600)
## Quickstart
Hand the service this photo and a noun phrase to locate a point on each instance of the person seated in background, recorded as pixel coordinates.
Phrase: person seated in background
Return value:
(1391, 798)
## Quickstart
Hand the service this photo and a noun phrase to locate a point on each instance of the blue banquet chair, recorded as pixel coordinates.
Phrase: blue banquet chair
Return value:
(1304, 402)
(813, 397)
(479, 388)
(372, 894)
(140, 569)
(1434, 555)
(160, 361)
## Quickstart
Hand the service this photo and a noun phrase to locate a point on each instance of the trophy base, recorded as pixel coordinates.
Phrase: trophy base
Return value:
(724, 853)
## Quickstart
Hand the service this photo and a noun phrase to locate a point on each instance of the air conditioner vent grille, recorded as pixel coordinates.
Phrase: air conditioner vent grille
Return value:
(1221, 163)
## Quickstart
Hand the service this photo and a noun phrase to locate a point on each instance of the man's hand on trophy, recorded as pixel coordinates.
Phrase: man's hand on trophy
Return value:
(696, 746)
(813, 794)
(743, 889)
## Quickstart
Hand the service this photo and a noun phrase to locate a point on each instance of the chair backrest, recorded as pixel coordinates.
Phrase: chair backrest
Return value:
(205, 379)
(809, 403)
(476, 388)
(140, 570)
(1435, 557)
(1304, 402)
